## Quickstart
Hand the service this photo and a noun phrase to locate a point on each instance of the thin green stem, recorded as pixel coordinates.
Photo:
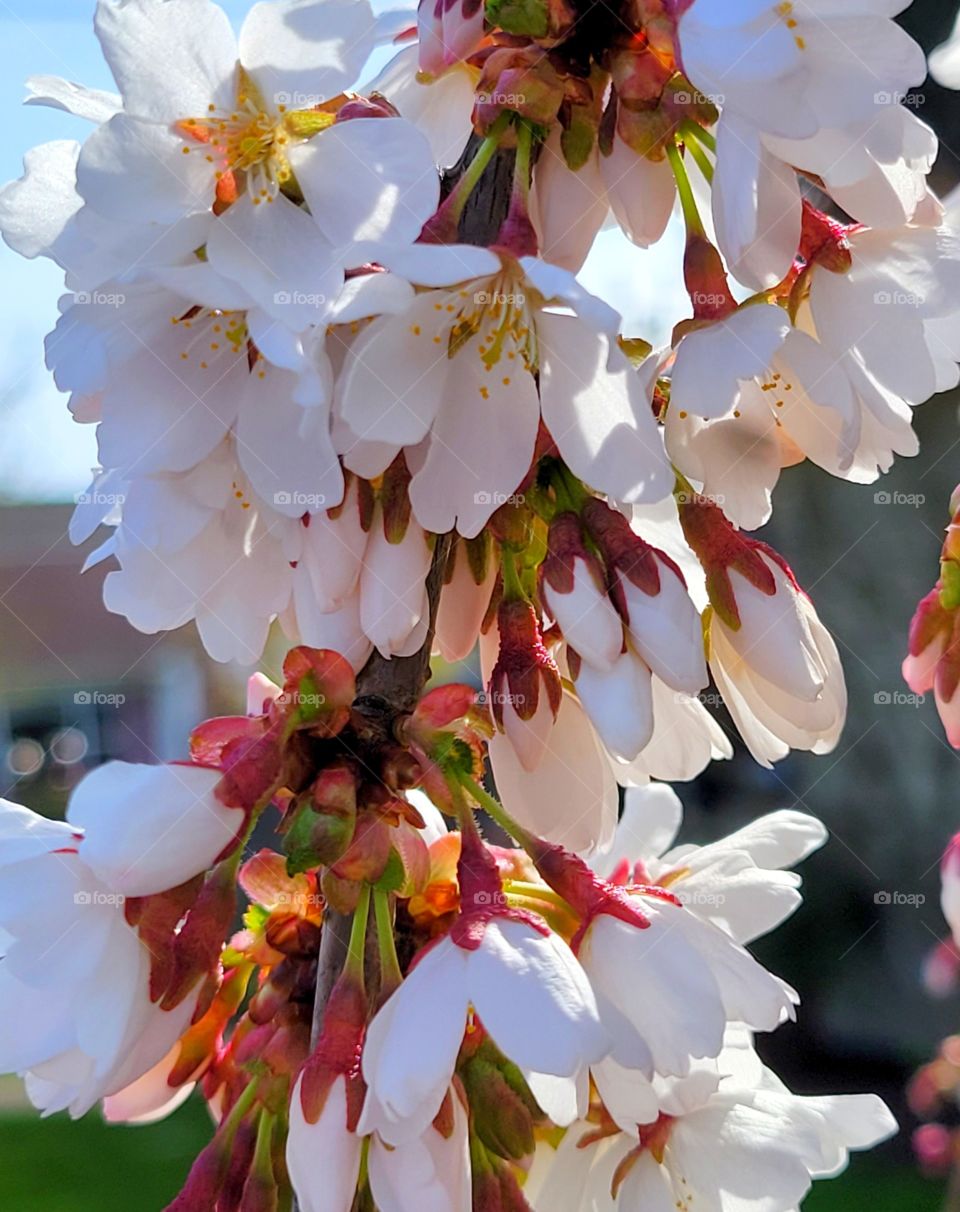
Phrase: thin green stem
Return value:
(688, 202)
(521, 168)
(457, 199)
(540, 892)
(358, 936)
(390, 975)
(512, 585)
(702, 135)
(239, 1109)
(492, 806)
(262, 1156)
(689, 132)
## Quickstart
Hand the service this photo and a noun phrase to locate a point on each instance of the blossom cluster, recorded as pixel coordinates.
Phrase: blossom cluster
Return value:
(615, 1003)
(345, 378)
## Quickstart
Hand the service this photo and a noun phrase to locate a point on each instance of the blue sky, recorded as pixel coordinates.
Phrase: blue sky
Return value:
(44, 454)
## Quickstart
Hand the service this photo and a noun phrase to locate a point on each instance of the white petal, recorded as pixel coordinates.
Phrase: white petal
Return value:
(368, 179)
(597, 412)
(302, 52)
(535, 1000)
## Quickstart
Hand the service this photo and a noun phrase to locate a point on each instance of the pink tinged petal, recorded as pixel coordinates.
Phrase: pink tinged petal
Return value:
(274, 251)
(430, 1173)
(323, 1158)
(535, 1000)
(371, 179)
(412, 1043)
(393, 381)
(339, 629)
(148, 1100)
(756, 206)
(619, 702)
(130, 166)
(150, 828)
(949, 712)
(93, 104)
(737, 458)
(284, 449)
(481, 445)
(665, 627)
(571, 797)
(35, 209)
(950, 887)
(333, 549)
(712, 362)
(302, 53)
(463, 604)
(25, 834)
(685, 739)
(587, 618)
(598, 413)
(170, 60)
(642, 192)
(568, 207)
(392, 587)
(447, 33)
(819, 413)
(530, 737)
(775, 637)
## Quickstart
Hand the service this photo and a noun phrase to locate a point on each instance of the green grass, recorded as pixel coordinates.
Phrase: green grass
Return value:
(59, 1166)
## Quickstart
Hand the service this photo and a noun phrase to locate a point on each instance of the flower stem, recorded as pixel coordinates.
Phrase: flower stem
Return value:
(458, 196)
(390, 974)
(358, 935)
(493, 808)
(512, 586)
(690, 133)
(688, 202)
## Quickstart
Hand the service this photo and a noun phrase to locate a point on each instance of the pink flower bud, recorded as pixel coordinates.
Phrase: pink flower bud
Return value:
(573, 591)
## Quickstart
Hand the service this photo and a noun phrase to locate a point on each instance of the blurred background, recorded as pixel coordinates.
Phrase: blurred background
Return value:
(78, 685)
